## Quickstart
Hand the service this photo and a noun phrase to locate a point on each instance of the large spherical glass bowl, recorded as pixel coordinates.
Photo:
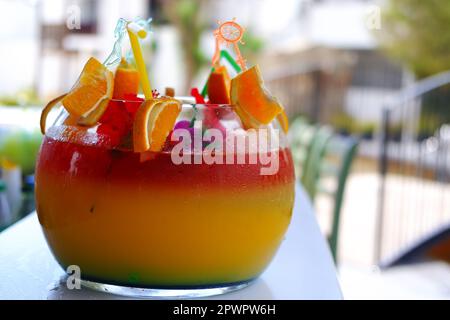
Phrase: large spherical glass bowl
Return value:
(148, 225)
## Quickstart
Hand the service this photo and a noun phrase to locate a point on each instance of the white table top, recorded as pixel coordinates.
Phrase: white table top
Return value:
(302, 269)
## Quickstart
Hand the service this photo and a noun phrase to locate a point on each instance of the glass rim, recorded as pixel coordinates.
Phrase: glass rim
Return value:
(187, 102)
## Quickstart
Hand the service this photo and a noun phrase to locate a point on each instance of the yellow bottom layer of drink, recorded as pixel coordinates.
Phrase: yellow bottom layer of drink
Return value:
(155, 224)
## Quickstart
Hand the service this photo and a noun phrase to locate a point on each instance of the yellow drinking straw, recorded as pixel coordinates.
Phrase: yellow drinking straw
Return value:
(135, 31)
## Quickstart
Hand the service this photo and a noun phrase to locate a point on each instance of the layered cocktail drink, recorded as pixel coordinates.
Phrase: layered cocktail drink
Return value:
(164, 194)
(154, 223)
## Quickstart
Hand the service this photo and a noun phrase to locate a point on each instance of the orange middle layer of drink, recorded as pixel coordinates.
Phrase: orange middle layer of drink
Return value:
(154, 223)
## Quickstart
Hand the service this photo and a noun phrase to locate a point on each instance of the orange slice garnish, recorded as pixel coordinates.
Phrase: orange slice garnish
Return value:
(46, 111)
(153, 122)
(126, 82)
(95, 115)
(219, 86)
(251, 100)
(95, 84)
(284, 121)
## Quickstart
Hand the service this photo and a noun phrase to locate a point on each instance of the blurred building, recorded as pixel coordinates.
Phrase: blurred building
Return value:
(44, 42)
(320, 56)
(333, 51)
(73, 30)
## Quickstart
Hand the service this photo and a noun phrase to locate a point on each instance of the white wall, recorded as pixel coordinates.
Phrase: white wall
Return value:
(18, 45)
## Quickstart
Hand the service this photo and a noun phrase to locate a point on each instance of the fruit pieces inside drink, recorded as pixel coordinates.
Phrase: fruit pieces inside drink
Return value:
(98, 86)
(128, 218)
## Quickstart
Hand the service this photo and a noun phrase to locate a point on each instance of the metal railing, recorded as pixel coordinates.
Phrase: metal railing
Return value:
(414, 165)
(412, 149)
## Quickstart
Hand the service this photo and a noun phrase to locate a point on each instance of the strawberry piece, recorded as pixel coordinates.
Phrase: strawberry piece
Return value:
(116, 122)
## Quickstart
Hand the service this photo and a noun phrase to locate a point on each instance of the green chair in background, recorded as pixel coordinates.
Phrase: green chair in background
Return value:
(301, 135)
(328, 157)
(316, 156)
(336, 164)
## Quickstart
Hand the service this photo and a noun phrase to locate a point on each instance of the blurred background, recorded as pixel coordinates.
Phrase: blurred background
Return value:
(365, 84)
